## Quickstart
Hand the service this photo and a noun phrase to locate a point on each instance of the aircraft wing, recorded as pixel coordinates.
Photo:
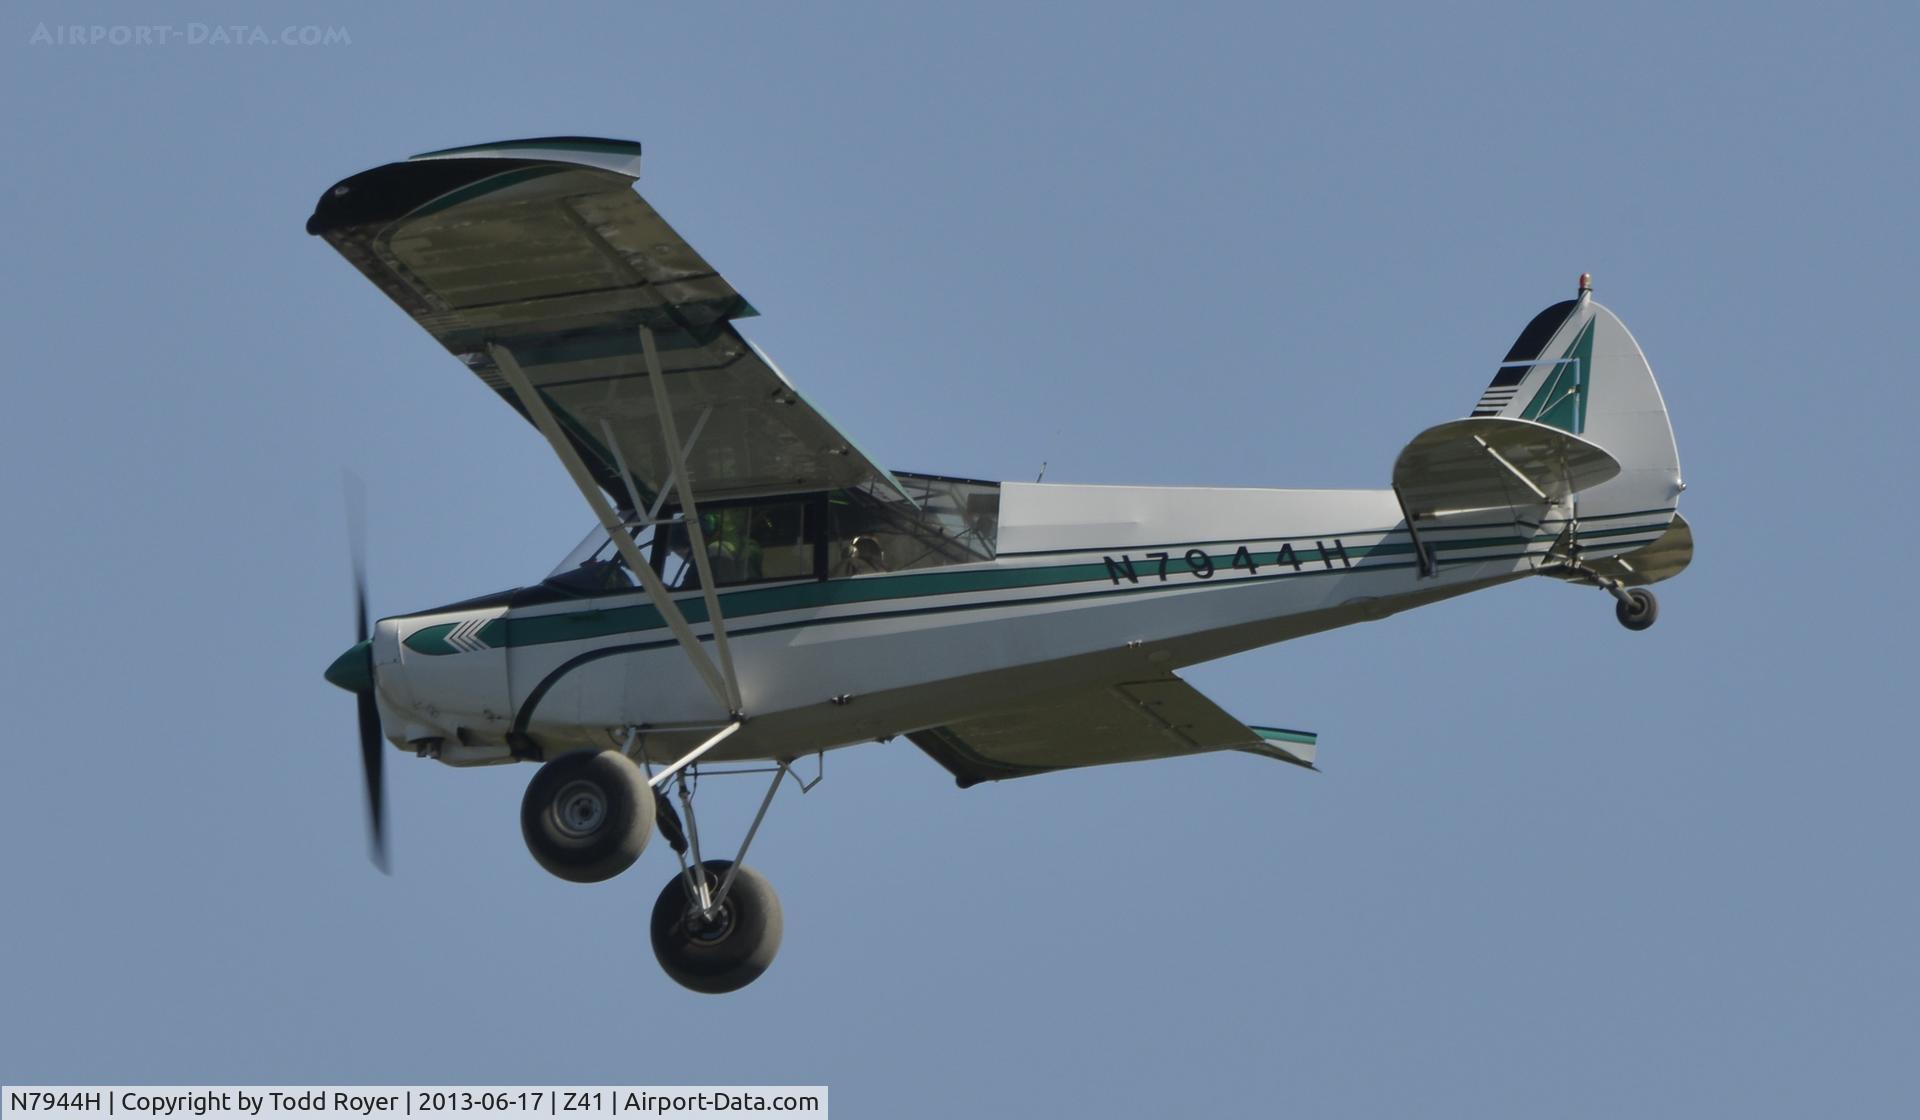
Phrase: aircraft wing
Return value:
(543, 247)
(1157, 717)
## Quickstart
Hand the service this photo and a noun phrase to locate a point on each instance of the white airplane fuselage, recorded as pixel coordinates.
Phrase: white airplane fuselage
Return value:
(1090, 584)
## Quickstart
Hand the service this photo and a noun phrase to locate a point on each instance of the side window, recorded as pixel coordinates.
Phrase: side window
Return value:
(750, 542)
(858, 536)
(948, 521)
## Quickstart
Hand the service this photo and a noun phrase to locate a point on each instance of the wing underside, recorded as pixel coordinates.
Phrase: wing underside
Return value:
(543, 247)
(1129, 721)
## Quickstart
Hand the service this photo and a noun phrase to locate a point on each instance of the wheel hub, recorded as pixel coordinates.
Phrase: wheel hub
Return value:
(705, 930)
(580, 809)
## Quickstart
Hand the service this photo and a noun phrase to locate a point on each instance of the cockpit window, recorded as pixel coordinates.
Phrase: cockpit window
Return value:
(748, 542)
(813, 536)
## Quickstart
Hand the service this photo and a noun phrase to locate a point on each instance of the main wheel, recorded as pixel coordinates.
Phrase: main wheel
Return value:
(587, 815)
(728, 951)
(1638, 610)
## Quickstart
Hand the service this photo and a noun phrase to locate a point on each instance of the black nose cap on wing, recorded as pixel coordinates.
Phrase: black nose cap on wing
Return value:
(353, 670)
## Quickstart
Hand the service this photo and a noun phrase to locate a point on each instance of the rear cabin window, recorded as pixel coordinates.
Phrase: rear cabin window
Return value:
(875, 529)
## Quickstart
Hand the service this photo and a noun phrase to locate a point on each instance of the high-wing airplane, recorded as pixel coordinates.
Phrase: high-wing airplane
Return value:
(757, 589)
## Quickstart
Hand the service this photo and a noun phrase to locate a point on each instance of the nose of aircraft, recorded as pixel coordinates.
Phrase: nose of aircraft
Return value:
(353, 670)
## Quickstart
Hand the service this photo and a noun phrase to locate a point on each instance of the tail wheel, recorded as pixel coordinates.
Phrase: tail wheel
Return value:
(586, 816)
(1638, 609)
(727, 947)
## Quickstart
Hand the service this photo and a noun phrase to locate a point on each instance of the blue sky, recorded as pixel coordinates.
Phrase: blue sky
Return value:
(1552, 867)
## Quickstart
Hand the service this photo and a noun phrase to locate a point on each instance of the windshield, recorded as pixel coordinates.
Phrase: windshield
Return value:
(595, 565)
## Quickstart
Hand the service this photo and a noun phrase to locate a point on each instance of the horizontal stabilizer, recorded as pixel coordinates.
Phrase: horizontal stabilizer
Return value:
(1495, 463)
(1650, 563)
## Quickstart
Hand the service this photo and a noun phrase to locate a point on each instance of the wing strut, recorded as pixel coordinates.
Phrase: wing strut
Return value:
(626, 475)
(690, 514)
(610, 521)
(693, 437)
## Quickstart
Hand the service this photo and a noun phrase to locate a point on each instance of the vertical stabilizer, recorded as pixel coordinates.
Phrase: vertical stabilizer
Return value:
(1576, 367)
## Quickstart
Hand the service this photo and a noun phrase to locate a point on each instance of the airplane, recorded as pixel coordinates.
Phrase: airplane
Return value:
(757, 590)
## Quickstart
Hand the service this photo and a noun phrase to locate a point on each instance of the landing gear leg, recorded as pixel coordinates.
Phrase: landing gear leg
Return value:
(1635, 607)
(717, 924)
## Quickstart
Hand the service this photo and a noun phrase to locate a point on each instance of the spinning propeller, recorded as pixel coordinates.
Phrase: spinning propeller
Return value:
(353, 671)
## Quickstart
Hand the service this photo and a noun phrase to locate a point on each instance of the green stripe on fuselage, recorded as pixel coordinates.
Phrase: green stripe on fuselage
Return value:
(635, 618)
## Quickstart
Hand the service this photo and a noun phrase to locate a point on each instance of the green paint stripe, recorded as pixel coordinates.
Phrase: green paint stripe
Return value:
(584, 625)
(485, 186)
(1283, 735)
(915, 612)
(1184, 545)
(431, 640)
(642, 617)
(1114, 550)
(526, 709)
(662, 643)
(614, 147)
(1615, 516)
(1626, 531)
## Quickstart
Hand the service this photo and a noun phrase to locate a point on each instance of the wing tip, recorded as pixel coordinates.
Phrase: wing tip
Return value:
(621, 156)
(393, 189)
(1286, 744)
